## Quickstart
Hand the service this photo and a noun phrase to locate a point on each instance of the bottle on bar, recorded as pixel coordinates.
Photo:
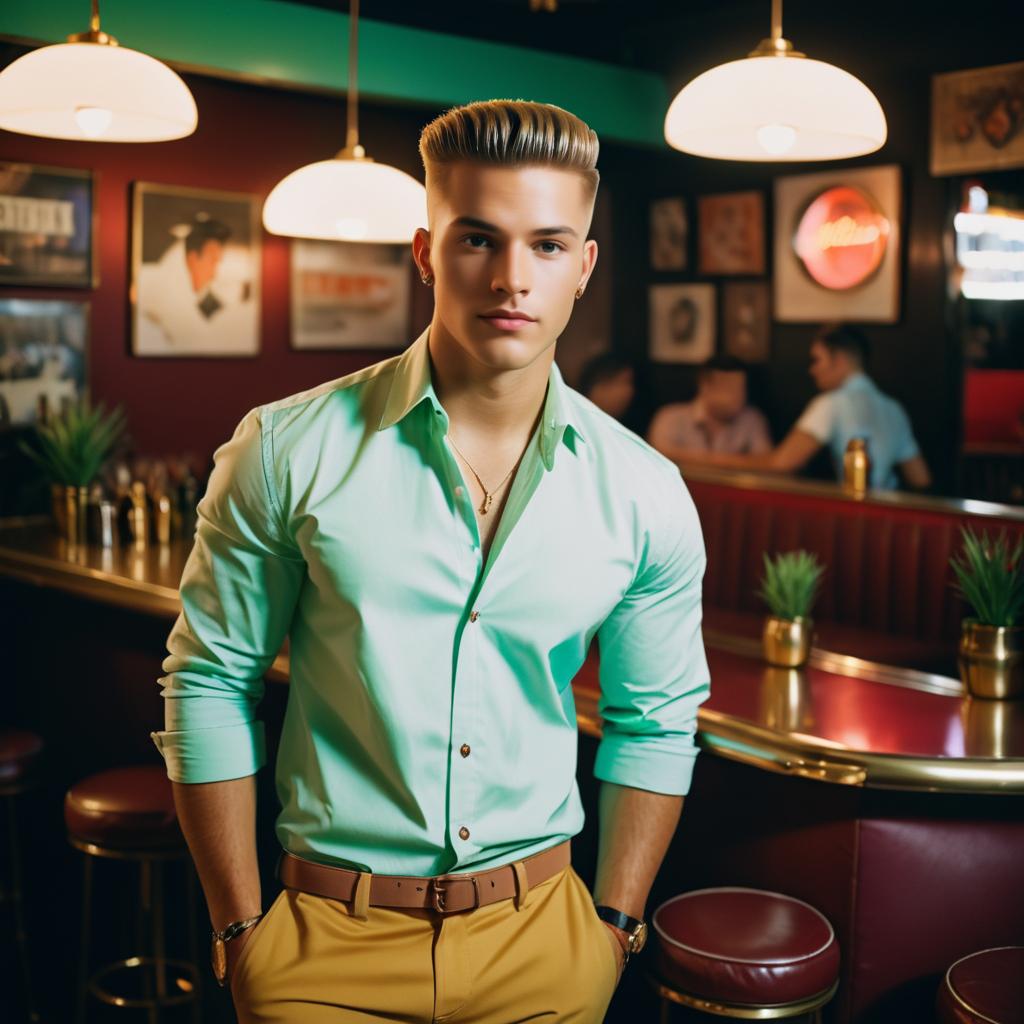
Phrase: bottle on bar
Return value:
(857, 467)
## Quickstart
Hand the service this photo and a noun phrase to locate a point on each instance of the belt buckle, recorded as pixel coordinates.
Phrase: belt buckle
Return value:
(439, 894)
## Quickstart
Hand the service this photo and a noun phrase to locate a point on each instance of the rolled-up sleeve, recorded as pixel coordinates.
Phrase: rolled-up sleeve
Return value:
(653, 669)
(238, 593)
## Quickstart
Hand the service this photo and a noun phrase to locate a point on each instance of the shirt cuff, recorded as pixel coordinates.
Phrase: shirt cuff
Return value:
(658, 764)
(213, 755)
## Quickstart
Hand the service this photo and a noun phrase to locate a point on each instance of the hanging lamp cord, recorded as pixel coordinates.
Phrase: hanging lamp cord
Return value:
(352, 133)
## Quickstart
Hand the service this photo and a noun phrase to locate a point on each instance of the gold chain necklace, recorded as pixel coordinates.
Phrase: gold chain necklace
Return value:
(488, 495)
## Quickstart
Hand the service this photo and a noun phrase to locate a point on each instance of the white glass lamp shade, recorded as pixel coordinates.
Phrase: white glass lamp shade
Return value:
(347, 200)
(95, 92)
(776, 108)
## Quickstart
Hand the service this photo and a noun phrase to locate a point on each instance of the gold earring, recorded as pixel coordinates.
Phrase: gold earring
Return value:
(579, 292)
(427, 279)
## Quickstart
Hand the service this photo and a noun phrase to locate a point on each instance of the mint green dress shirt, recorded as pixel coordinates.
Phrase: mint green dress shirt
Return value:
(431, 723)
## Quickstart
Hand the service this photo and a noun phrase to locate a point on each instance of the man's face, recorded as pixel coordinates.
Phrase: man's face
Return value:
(202, 264)
(724, 393)
(827, 368)
(506, 240)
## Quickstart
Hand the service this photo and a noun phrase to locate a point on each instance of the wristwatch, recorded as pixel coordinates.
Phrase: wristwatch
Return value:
(218, 949)
(635, 929)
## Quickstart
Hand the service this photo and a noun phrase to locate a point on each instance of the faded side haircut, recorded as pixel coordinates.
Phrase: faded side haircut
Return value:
(510, 133)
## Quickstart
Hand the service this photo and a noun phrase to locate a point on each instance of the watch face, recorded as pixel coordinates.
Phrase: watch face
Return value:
(639, 938)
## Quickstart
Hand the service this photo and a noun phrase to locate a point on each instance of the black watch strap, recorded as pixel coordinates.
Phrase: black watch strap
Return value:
(617, 919)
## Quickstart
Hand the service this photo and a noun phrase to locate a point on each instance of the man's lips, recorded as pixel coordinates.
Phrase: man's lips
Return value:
(507, 320)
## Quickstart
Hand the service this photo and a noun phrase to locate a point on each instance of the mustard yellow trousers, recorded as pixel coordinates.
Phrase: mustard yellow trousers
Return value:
(311, 961)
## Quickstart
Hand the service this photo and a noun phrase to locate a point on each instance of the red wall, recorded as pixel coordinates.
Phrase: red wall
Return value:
(993, 406)
(248, 138)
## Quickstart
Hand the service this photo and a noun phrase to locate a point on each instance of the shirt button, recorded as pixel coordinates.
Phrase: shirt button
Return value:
(473, 616)
(459, 491)
(464, 750)
(463, 832)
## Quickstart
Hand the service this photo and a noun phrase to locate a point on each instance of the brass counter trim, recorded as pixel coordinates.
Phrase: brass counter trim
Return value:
(809, 757)
(750, 481)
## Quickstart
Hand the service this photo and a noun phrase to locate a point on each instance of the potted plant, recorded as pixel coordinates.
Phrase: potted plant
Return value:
(990, 576)
(789, 587)
(71, 448)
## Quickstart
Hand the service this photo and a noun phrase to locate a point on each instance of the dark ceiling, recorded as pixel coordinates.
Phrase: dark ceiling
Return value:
(608, 30)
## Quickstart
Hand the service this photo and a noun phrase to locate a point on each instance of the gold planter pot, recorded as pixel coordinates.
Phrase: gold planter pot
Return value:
(992, 660)
(787, 642)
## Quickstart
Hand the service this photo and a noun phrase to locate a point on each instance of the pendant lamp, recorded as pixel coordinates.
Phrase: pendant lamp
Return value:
(350, 198)
(92, 89)
(776, 104)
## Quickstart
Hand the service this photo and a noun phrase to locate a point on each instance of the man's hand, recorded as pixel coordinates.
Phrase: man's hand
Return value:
(619, 940)
(233, 949)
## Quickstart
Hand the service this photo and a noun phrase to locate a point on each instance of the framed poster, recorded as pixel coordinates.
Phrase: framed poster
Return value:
(196, 269)
(837, 245)
(47, 226)
(731, 233)
(43, 355)
(682, 322)
(978, 119)
(669, 234)
(746, 320)
(350, 295)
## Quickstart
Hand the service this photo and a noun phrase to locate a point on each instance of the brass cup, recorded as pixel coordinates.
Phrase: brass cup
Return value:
(787, 642)
(786, 700)
(992, 660)
(993, 728)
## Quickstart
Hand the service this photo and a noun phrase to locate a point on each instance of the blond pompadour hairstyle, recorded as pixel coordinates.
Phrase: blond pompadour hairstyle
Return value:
(510, 133)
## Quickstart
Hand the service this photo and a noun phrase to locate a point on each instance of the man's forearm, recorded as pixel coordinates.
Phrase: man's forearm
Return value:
(636, 827)
(219, 823)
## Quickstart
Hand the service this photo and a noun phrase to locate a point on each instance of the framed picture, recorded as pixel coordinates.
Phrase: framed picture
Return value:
(837, 246)
(978, 119)
(47, 227)
(350, 295)
(43, 357)
(746, 320)
(196, 268)
(731, 233)
(669, 234)
(682, 322)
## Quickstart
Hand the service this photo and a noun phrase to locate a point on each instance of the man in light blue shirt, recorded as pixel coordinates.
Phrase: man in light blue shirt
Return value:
(850, 406)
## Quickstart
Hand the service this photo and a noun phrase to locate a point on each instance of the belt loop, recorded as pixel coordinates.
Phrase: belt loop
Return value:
(522, 884)
(361, 897)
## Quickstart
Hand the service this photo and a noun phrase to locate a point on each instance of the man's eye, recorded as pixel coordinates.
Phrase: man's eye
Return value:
(476, 241)
(555, 247)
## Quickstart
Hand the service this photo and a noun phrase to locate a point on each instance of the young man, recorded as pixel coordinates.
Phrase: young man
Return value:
(850, 405)
(717, 420)
(442, 535)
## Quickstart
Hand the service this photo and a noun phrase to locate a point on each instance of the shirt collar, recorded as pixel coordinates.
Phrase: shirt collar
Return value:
(412, 385)
(857, 381)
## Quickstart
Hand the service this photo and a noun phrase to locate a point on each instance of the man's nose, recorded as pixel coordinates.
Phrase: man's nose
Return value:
(511, 271)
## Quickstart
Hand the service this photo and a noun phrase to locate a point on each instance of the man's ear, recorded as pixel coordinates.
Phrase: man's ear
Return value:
(589, 260)
(421, 251)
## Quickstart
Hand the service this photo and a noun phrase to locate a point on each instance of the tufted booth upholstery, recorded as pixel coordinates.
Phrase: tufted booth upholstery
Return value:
(887, 565)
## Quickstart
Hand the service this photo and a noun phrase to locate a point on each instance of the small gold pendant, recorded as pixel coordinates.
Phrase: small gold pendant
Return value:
(486, 503)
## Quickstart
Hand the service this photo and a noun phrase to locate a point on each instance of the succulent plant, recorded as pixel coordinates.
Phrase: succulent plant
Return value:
(990, 576)
(72, 446)
(790, 584)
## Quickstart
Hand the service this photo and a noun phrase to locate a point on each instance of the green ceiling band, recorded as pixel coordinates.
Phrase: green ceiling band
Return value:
(306, 47)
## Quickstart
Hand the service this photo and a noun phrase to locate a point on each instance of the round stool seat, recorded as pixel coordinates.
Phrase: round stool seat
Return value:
(986, 987)
(124, 807)
(745, 946)
(19, 752)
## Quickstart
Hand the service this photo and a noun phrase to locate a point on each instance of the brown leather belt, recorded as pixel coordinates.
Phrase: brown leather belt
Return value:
(447, 894)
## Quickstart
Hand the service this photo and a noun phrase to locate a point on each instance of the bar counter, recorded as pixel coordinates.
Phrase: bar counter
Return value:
(842, 719)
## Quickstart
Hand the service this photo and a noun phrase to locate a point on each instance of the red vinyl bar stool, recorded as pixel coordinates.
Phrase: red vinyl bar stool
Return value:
(744, 953)
(986, 987)
(128, 814)
(20, 755)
